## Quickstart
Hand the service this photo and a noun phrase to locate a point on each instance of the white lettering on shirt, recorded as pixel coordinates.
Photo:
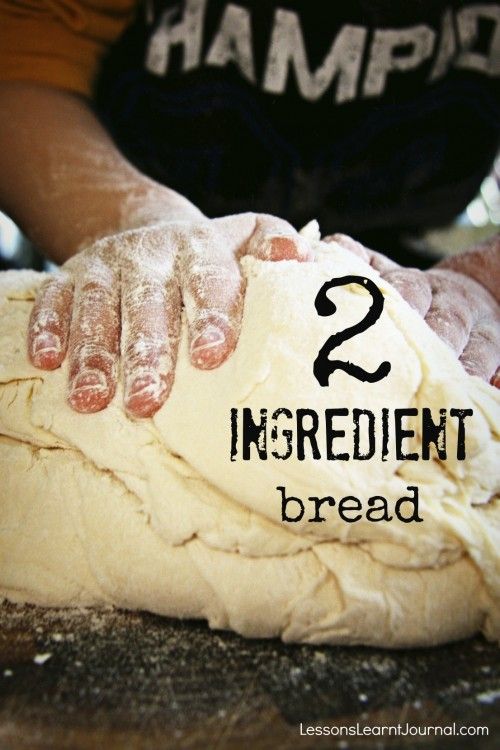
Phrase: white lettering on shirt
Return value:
(385, 59)
(286, 63)
(188, 32)
(467, 24)
(233, 42)
(287, 49)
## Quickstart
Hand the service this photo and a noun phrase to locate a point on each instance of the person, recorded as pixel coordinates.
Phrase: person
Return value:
(148, 146)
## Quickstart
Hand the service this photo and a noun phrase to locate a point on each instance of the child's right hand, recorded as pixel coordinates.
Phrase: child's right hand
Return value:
(127, 291)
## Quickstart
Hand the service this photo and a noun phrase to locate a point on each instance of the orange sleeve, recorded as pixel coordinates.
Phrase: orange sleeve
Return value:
(59, 42)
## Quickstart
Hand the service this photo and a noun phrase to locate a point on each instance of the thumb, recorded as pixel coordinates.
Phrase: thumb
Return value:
(275, 239)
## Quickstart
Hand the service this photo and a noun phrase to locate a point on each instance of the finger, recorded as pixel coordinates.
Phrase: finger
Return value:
(481, 354)
(212, 290)
(151, 312)
(382, 263)
(49, 323)
(480, 262)
(413, 285)
(94, 338)
(348, 243)
(451, 314)
(377, 261)
(275, 239)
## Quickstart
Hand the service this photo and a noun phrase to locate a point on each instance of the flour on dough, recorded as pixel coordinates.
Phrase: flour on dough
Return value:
(151, 514)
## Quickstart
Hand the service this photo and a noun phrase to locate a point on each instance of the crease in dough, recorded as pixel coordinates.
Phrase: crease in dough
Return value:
(155, 518)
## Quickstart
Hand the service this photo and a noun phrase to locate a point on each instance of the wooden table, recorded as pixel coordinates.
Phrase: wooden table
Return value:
(136, 681)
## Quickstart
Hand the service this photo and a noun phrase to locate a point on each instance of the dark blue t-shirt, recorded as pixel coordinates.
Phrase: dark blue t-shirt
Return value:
(364, 114)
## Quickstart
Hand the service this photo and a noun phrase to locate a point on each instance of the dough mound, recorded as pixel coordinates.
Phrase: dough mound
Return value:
(99, 510)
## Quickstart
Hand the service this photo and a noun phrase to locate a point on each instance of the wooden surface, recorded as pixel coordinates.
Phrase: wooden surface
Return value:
(136, 681)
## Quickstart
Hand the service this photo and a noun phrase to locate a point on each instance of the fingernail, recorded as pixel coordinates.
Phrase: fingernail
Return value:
(46, 343)
(279, 246)
(148, 384)
(205, 348)
(90, 391)
(145, 393)
(89, 380)
(285, 247)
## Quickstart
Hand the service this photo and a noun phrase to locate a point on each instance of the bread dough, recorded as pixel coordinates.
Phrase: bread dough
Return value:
(151, 514)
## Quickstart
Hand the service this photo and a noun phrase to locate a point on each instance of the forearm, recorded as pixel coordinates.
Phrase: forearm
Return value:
(481, 263)
(63, 180)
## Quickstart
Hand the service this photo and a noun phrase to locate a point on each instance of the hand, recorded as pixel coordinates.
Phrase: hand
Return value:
(458, 308)
(131, 286)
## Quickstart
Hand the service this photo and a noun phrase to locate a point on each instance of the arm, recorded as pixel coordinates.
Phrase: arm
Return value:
(459, 299)
(481, 263)
(63, 180)
(133, 250)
